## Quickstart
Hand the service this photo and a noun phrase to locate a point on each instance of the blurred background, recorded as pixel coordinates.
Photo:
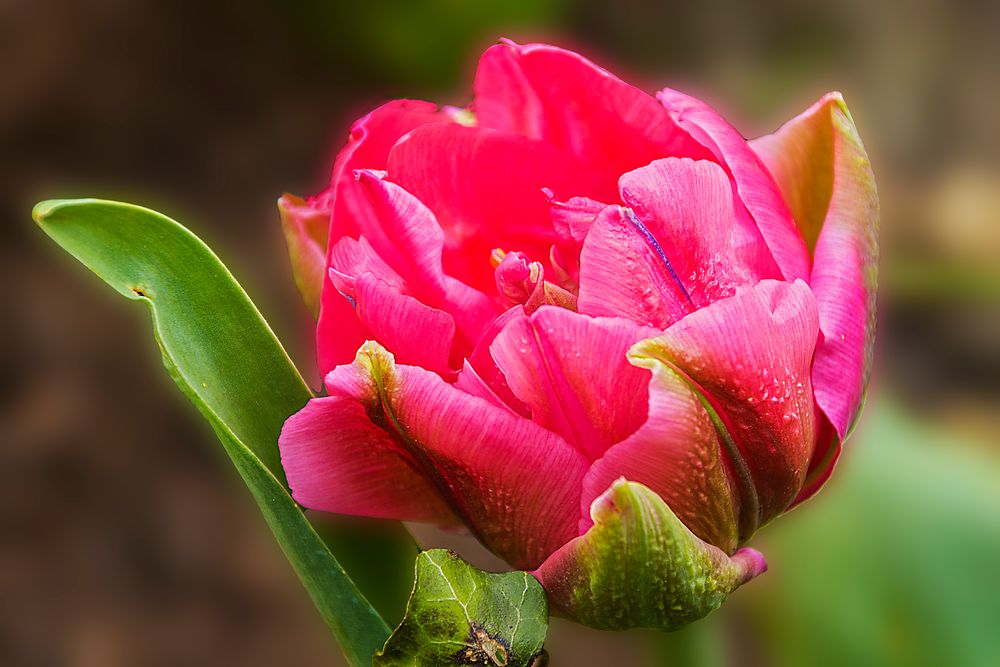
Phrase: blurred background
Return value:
(125, 537)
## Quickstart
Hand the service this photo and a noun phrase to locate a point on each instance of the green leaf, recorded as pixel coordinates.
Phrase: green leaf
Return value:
(224, 357)
(639, 566)
(458, 615)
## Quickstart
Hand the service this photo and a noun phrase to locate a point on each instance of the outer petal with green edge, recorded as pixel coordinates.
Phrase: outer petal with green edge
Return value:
(306, 224)
(749, 358)
(825, 175)
(513, 483)
(639, 566)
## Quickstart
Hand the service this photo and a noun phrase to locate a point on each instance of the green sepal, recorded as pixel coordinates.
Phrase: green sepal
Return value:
(458, 615)
(639, 566)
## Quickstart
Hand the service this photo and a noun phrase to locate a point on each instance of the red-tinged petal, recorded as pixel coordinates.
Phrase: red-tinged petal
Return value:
(638, 566)
(676, 453)
(625, 272)
(405, 235)
(571, 370)
(548, 93)
(338, 461)
(371, 139)
(515, 484)
(416, 332)
(689, 207)
(750, 356)
(823, 171)
(754, 183)
(572, 218)
(337, 333)
(306, 224)
(485, 189)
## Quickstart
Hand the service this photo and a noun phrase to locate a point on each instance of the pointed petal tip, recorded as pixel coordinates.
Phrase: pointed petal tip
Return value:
(750, 564)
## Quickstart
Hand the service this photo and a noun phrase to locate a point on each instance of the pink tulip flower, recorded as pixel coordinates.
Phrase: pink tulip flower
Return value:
(596, 327)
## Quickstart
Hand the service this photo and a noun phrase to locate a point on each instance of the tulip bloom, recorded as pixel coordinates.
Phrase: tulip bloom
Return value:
(602, 326)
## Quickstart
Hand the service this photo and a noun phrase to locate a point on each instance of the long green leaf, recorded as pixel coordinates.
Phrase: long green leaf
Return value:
(224, 357)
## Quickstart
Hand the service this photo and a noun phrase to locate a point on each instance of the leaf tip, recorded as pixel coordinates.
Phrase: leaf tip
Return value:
(44, 209)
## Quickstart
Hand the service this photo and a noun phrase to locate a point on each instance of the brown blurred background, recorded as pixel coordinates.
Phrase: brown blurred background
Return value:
(125, 538)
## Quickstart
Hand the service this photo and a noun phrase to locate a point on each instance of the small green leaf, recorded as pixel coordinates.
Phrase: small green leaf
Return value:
(224, 357)
(458, 615)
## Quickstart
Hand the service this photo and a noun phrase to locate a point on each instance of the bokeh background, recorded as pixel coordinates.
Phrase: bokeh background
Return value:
(125, 537)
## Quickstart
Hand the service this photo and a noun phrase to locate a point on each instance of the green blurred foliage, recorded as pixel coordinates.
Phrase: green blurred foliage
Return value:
(414, 47)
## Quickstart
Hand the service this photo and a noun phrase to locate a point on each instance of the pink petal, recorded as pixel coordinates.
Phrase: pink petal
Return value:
(676, 453)
(485, 189)
(515, 484)
(486, 369)
(571, 370)
(547, 93)
(689, 207)
(306, 224)
(750, 356)
(823, 171)
(471, 383)
(418, 334)
(337, 332)
(625, 272)
(338, 461)
(753, 182)
(572, 218)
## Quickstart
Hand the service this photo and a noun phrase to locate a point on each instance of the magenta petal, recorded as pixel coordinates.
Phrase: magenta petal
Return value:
(754, 183)
(675, 453)
(625, 272)
(337, 460)
(690, 208)
(750, 355)
(485, 189)
(572, 372)
(547, 93)
(821, 165)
